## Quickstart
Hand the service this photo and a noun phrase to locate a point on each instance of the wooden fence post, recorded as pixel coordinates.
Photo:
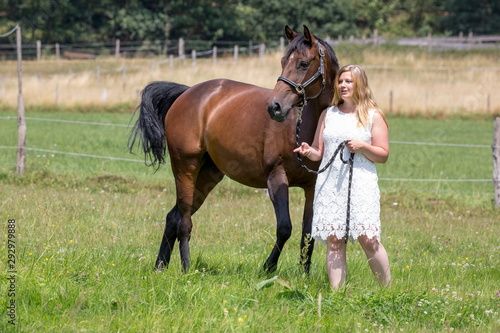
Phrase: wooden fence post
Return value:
(193, 57)
(390, 101)
(21, 121)
(124, 76)
(182, 55)
(117, 48)
(262, 50)
(496, 160)
(250, 47)
(282, 45)
(214, 55)
(171, 61)
(38, 50)
(58, 55)
(236, 51)
(104, 96)
(426, 101)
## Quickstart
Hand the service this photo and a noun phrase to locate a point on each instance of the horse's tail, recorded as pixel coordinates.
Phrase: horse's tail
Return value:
(157, 98)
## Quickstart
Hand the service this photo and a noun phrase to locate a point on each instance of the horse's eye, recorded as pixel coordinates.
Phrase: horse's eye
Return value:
(303, 65)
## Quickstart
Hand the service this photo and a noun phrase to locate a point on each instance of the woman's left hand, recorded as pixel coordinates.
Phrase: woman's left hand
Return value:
(354, 145)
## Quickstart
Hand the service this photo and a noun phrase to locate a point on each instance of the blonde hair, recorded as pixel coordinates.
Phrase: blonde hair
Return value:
(362, 94)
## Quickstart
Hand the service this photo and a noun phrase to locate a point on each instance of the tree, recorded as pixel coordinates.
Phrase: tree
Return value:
(72, 21)
(478, 16)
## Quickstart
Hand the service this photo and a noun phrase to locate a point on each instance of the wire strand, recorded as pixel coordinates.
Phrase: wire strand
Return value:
(10, 32)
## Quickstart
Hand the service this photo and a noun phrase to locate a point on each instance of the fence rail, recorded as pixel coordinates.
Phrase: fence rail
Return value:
(85, 155)
(158, 48)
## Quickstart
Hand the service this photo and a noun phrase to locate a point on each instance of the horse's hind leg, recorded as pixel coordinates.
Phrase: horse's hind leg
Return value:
(278, 192)
(208, 177)
(189, 200)
(169, 238)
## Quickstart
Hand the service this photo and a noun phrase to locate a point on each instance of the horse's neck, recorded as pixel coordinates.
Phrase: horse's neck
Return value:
(310, 118)
(318, 104)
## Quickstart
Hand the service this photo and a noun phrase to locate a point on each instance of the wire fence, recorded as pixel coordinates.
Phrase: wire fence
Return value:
(134, 49)
(84, 155)
(205, 48)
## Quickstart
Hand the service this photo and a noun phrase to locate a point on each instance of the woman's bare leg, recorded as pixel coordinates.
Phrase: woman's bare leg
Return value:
(336, 266)
(377, 258)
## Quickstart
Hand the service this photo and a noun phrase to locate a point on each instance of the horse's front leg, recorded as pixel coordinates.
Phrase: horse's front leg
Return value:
(277, 185)
(306, 242)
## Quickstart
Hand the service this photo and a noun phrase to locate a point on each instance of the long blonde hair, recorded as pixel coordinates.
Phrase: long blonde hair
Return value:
(362, 94)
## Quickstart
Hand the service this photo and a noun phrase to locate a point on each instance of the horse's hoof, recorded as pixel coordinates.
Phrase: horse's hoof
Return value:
(270, 268)
(159, 267)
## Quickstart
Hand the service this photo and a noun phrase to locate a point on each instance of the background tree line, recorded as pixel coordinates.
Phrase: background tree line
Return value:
(70, 21)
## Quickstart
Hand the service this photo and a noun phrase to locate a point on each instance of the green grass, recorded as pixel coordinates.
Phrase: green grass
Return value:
(88, 231)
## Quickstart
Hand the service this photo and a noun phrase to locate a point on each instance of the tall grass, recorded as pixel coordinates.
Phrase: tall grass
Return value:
(88, 231)
(86, 250)
(434, 82)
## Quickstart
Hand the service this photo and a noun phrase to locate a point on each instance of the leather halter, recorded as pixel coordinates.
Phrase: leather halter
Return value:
(301, 88)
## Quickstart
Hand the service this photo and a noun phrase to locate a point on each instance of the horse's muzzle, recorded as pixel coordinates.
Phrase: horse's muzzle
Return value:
(276, 112)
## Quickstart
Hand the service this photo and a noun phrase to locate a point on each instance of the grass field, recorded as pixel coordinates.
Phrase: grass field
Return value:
(435, 83)
(88, 230)
(90, 216)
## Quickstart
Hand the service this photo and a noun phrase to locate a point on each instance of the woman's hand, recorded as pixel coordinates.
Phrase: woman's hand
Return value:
(314, 152)
(354, 145)
(308, 151)
(378, 150)
(304, 149)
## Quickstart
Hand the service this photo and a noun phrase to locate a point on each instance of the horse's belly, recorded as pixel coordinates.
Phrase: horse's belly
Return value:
(243, 166)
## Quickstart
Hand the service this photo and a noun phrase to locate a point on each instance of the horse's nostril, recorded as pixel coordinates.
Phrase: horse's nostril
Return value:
(277, 108)
(274, 107)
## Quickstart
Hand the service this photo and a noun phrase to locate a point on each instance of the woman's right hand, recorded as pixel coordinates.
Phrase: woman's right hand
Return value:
(304, 149)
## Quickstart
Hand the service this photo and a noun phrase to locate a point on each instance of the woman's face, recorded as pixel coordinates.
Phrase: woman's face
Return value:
(346, 85)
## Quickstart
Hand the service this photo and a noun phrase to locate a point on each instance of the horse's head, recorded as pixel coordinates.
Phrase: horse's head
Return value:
(307, 69)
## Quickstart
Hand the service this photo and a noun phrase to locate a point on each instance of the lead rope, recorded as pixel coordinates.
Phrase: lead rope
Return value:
(340, 148)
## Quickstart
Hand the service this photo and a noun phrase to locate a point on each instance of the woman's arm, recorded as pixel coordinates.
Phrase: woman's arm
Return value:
(378, 151)
(315, 151)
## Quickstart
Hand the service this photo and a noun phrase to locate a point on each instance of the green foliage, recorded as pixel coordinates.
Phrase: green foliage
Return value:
(479, 17)
(67, 21)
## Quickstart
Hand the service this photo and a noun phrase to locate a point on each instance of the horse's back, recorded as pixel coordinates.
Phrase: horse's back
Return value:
(228, 120)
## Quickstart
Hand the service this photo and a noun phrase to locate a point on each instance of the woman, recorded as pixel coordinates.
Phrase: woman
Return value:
(354, 116)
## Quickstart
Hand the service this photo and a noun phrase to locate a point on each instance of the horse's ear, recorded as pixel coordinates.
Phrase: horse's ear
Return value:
(309, 37)
(290, 34)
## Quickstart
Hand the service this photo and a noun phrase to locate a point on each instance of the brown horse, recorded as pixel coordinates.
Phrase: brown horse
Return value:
(221, 127)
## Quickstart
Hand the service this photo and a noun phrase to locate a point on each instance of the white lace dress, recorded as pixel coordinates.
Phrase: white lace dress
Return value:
(330, 198)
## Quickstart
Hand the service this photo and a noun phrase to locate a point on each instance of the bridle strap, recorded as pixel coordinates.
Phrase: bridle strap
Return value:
(301, 87)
